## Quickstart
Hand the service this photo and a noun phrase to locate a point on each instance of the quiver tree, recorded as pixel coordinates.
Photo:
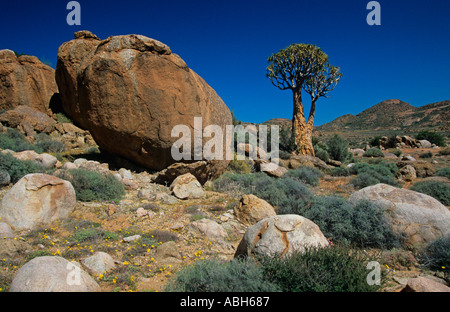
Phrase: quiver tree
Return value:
(303, 67)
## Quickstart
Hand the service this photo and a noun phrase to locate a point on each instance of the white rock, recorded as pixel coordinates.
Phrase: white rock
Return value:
(52, 274)
(37, 199)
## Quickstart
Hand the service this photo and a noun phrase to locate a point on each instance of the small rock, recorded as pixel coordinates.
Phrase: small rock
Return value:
(186, 186)
(167, 250)
(99, 263)
(147, 193)
(423, 284)
(252, 209)
(47, 161)
(141, 212)
(5, 231)
(177, 226)
(117, 176)
(5, 178)
(272, 169)
(69, 165)
(79, 161)
(211, 229)
(111, 209)
(407, 173)
(126, 174)
(129, 184)
(133, 238)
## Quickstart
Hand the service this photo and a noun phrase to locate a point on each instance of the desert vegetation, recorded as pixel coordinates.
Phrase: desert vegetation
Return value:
(345, 197)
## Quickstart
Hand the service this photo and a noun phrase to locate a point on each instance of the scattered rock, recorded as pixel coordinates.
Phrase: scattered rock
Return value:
(47, 161)
(13, 248)
(52, 274)
(99, 263)
(168, 249)
(334, 163)
(424, 144)
(69, 165)
(187, 187)
(5, 178)
(280, 235)
(270, 168)
(200, 169)
(424, 284)
(5, 231)
(37, 199)
(252, 209)
(25, 117)
(424, 169)
(407, 173)
(141, 212)
(309, 161)
(147, 193)
(110, 210)
(420, 217)
(133, 238)
(211, 229)
(129, 184)
(408, 158)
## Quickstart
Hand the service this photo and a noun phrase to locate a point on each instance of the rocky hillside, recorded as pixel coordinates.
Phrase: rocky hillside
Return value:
(394, 115)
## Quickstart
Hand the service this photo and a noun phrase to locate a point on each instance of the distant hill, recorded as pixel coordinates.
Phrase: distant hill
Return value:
(394, 115)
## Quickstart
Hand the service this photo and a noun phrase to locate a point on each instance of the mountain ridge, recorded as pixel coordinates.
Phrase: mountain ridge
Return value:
(393, 114)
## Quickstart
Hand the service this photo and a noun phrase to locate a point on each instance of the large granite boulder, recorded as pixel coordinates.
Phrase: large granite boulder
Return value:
(419, 217)
(130, 92)
(25, 80)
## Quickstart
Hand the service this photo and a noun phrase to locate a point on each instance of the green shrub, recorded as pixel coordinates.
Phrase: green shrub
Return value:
(15, 141)
(285, 193)
(397, 152)
(436, 255)
(436, 189)
(331, 269)
(444, 172)
(373, 152)
(93, 234)
(216, 276)
(61, 117)
(375, 141)
(339, 172)
(321, 153)
(426, 155)
(338, 148)
(371, 174)
(16, 168)
(308, 175)
(90, 185)
(362, 224)
(46, 144)
(240, 166)
(432, 137)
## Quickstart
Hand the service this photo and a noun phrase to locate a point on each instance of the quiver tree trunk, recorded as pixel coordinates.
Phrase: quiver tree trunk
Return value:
(301, 130)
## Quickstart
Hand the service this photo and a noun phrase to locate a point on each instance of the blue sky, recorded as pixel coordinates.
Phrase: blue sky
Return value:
(228, 43)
